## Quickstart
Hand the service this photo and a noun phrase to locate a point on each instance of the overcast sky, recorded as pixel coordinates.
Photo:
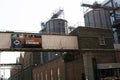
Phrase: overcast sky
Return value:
(26, 15)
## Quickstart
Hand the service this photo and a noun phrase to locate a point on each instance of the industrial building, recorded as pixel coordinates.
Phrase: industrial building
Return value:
(94, 44)
(24, 72)
(104, 15)
(115, 18)
(98, 57)
(95, 60)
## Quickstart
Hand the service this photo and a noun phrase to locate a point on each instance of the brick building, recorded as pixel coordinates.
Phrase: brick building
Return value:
(28, 61)
(15, 73)
(100, 59)
(95, 60)
(59, 68)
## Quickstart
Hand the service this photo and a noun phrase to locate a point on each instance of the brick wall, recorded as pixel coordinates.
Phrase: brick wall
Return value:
(50, 70)
(88, 38)
(74, 70)
(102, 56)
(117, 56)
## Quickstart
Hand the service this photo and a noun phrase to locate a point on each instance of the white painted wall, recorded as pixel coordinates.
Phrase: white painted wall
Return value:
(59, 42)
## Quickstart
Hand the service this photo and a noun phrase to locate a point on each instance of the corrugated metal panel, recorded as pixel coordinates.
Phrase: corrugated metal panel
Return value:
(5, 40)
(56, 26)
(98, 18)
(107, 14)
(91, 19)
(86, 18)
(59, 42)
(103, 20)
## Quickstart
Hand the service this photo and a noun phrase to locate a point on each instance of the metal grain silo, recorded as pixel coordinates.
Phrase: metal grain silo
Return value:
(98, 18)
(56, 26)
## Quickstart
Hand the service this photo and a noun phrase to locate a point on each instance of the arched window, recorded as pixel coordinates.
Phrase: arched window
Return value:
(38, 76)
(41, 74)
(51, 74)
(46, 76)
(58, 73)
(35, 76)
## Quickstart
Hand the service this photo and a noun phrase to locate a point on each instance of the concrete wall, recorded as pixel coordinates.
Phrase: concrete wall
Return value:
(59, 42)
(5, 40)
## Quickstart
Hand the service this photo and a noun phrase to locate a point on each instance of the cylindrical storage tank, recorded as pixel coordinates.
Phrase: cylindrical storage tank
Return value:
(56, 26)
(98, 18)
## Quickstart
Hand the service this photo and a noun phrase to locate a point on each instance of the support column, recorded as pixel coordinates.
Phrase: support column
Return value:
(88, 66)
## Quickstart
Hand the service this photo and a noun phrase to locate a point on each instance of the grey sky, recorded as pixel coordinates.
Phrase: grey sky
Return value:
(26, 15)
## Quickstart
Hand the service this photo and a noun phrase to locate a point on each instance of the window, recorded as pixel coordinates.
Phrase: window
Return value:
(51, 72)
(46, 76)
(58, 74)
(102, 40)
(35, 76)
(41, 76)
(38, 76)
